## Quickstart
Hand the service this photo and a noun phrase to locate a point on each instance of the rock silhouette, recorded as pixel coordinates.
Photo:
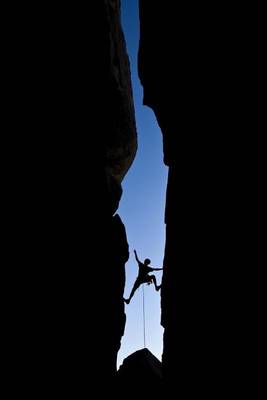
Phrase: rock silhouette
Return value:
(143, 368)
(193, 79)
(119, 148)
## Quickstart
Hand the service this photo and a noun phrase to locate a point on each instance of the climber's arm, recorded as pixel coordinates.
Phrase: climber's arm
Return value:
(136, 257)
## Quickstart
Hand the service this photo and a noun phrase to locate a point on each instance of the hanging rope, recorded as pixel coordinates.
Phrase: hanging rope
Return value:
(144, 316)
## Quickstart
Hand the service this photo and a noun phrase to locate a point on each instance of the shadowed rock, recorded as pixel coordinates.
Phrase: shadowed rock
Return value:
(142, 367)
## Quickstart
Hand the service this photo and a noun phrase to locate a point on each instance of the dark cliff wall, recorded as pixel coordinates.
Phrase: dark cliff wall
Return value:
(80, 241)
(142, 367)
(120, 144)
(118, 115)
(155, 64)
(79, 117)
(193, 80)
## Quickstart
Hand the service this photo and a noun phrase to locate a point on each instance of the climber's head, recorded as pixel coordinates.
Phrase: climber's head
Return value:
(147, 261)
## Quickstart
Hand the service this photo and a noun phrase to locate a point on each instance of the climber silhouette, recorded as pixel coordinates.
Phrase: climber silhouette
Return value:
(143, 276)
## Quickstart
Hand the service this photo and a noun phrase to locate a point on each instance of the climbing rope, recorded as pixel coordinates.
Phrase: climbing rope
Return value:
(144, 316)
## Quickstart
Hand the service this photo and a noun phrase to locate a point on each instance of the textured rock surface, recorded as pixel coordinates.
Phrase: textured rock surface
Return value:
(120, 130)
(120, 143)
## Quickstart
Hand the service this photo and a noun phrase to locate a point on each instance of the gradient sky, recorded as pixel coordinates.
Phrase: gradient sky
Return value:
(142, 207)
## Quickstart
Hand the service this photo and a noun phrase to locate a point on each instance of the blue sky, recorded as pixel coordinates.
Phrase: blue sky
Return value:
(142, 207)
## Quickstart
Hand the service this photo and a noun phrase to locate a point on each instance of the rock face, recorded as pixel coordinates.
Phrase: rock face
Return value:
(155, 72)
(114, 256)
(75, 245)
(120, 133)
(142, 368)
(120, 144)
(188, 68)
